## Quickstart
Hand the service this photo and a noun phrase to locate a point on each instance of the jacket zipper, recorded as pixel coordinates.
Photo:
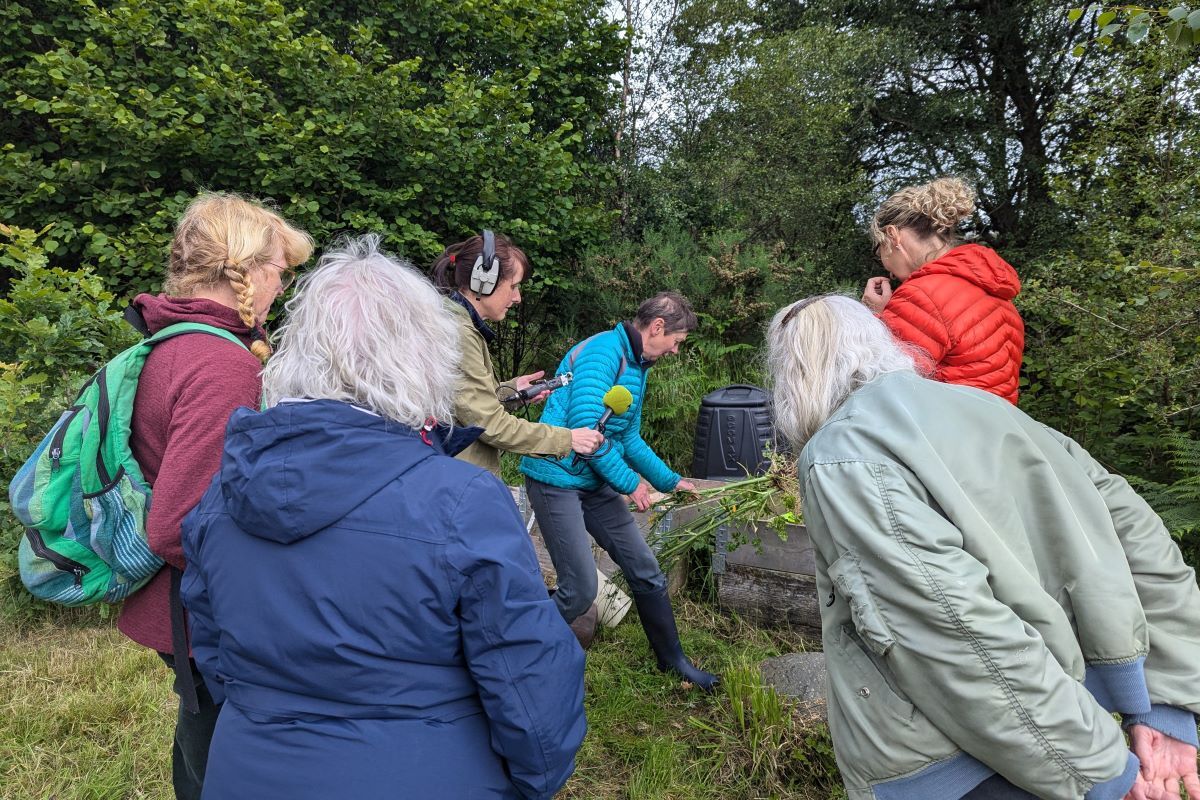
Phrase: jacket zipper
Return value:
(60, 435)
(59, 561)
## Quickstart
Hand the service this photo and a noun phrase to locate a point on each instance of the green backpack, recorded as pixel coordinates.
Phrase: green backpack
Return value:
(81, 496)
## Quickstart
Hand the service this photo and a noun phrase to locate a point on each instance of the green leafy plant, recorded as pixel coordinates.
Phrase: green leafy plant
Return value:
(55, 322)
(777, 743)
(56, 327)
(684, 523)
(422, 122)
(1177, 502)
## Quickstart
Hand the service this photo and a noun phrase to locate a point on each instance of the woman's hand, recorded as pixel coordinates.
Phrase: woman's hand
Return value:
(585, 441)
(685, 485)
(877, 294)
(525, 381)
(640, 496)
(1165, 762)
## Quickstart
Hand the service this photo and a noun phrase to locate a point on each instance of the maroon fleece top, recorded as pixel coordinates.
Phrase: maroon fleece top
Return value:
(188, 388)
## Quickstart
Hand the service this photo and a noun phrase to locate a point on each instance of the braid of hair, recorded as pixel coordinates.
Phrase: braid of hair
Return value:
(240, 281)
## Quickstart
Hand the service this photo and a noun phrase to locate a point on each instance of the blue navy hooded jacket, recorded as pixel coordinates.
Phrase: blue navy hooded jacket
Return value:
(372, 613)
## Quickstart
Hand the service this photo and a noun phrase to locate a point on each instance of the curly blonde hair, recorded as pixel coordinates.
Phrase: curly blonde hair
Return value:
(932, 209)
(224, 237)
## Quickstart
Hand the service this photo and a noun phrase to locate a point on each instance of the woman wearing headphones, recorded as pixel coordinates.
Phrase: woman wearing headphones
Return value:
(482, 278)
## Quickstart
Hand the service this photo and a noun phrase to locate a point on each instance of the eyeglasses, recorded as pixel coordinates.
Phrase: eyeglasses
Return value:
(875, 252)
(287, 275)
(803, 304)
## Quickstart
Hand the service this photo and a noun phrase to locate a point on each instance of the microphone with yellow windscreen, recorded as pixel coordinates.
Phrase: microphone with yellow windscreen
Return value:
(617, 400)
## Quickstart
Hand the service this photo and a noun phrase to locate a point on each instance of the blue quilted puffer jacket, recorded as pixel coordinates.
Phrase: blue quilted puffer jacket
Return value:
(599, 363)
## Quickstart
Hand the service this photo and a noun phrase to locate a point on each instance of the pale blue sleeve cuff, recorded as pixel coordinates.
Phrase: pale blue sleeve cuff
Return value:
(1119, 688)
(1178, 723)
(1116, 788)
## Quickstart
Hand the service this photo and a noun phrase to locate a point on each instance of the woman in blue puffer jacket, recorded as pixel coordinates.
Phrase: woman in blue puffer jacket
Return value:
(370, 608)
(573, 498)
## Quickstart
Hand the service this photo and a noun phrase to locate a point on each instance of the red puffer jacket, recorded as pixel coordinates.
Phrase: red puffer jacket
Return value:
(959, 309)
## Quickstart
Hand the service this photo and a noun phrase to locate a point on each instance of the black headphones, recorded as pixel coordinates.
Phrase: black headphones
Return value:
(485, 272)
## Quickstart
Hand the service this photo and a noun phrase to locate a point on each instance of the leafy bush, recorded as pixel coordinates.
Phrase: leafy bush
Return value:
(1110, 360)
(56, 328)
(423, 123)
(55, 322)
(1177, 502)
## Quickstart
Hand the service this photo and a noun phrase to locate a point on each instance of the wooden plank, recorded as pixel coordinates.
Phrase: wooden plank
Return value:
(793, 555)
(772, 598)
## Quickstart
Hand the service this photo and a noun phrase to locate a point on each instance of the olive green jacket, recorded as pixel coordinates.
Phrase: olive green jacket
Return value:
(475, 403)
(990, 594)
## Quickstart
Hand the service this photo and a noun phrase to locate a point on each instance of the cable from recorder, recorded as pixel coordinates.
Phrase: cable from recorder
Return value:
(617, 401)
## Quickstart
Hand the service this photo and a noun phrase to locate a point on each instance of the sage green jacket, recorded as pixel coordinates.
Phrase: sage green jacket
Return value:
(475, 403)
(990, 594)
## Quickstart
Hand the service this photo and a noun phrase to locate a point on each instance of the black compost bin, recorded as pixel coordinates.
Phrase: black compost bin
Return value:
(733, 428)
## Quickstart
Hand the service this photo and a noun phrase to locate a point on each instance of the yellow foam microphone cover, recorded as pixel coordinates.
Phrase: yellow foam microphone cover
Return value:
(618, 399)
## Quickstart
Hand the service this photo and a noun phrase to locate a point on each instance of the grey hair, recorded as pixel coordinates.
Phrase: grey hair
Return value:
(819, 351)
(674, 310)
(366, 328)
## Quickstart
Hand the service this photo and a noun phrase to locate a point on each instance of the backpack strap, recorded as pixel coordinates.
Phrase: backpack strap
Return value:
(180, 328)
(579, 349)
(169, 332)
(185, 686)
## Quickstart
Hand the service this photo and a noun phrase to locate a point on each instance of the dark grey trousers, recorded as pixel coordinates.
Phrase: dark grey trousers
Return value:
(193, 735)
(566, 517)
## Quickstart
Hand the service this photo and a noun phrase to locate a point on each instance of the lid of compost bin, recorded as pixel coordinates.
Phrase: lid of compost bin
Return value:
(738, 395)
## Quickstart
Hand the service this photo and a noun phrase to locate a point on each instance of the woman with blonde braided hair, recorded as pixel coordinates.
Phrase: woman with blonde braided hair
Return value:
(230, 259)
(955, 300)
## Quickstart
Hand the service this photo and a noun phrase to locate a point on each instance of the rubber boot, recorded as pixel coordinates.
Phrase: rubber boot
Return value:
(658, 620)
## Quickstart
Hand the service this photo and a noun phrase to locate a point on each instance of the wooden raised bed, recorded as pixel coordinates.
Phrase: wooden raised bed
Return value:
(771, 584)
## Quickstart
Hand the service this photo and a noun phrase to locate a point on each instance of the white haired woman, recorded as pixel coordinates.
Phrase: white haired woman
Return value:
(994, 595)
(371, 608)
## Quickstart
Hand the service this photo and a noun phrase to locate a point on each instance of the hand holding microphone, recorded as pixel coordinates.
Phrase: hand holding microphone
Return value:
(617, 400)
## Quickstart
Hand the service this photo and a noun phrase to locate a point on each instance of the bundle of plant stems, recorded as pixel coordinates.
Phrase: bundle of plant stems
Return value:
(738, 507)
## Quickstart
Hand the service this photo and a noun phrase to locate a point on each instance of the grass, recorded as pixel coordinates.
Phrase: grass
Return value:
(86, 714)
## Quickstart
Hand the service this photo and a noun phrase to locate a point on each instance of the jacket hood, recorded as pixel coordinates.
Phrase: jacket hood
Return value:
(299, 467)
(161, 310)
(980, 265)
